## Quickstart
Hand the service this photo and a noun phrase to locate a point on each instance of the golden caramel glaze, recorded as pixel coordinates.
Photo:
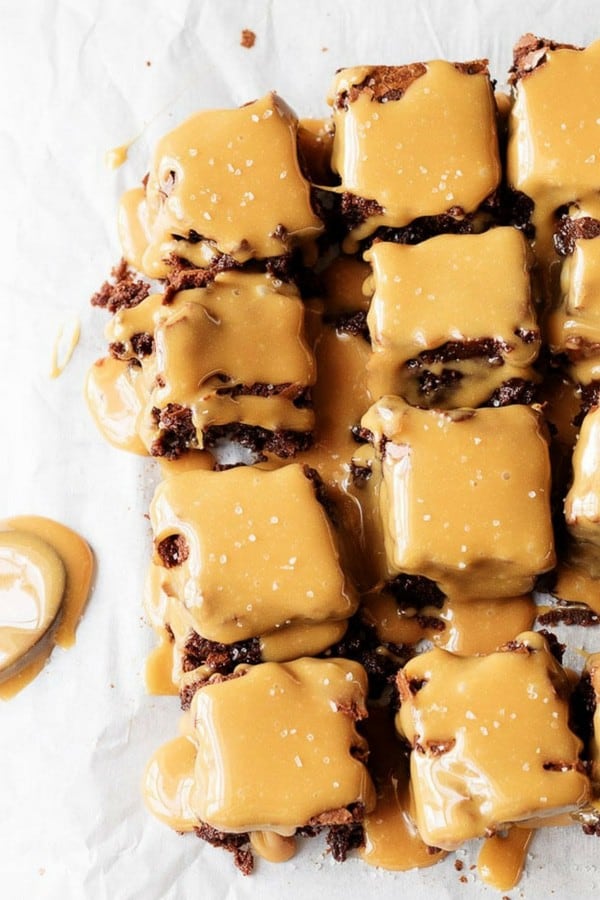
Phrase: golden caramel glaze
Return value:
(573, 326)
(273, 847)
(451, 288)
(315, 144)
(482, 626)
(64, 346)
(372, 567)
(26, 572)
(278, 746)
(116, 394)
(582, 503)
(391, 838)
(236, 320)
(560, 402)
(502, 857)
(168, 783)
(391, 152)
(554, 137)
(223, 182)
(465, 496)
(574, 583)
(490, 740)
(159, 669)
(342, 285)
(258, 551)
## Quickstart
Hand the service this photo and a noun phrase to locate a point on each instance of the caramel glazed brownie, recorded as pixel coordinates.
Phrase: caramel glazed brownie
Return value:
(363, 350)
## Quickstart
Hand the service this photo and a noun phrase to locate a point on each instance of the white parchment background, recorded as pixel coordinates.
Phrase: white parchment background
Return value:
(73, 83)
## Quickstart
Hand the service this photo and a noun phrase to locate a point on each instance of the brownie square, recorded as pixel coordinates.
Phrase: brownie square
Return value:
(223, 183)
(413, 141)
(249, 551)
(490, 740)
(278, 747)
(451, 319)
(210, 368)
(465, 498)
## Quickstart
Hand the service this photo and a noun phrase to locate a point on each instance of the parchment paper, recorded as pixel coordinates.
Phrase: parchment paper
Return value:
(78, 78)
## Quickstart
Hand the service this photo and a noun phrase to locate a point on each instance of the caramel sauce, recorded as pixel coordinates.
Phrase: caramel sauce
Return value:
(391, 838)
(168, 784)
(64, 347)
(502, 857)
(482, 626)
(273, 847)
(159, 668)
(117, 156)
(575, 585)
(115, 395)
(58, 557)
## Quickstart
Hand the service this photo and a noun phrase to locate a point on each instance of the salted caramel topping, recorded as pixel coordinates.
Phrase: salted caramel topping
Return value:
(272, 846)
(490, 738)
(574, 583)
(482, 626)
(582, 504)
(554, 136)
(257, 551)
(430, 295)
(116, 394)
(45, 571)
(343, 285)
(235, 321)
(465, 496)
(168, 784)
(160, 668)
(32, 584)
(392, 841)
(278, 746)
(502, 857)
(431, 151)
(223, 182)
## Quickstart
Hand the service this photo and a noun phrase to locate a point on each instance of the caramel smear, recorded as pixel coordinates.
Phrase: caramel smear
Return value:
(45, 576)
(575, 585)
(502, 857)
(272, 846)
(117, 156)
(64, 347)
(168, 783)
(159, 668)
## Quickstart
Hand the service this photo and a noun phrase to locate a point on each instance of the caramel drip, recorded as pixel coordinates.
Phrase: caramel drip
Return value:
(64, 347)
(576, 585)
(275, 848)
(64, 562)
(576, 321)
(482, 626)
(342, 284)
(391, 837)
(261, 551)
(430, 294)
(502, 857)
(370, 561)
(117, 156)
(484, 529)
(115, 395)
(159, 668)
(274, 746)
(484, 756)
(395, 624)
(315, 143)
(554, 138)
(391, 152)
(168, 784)
(230, 176)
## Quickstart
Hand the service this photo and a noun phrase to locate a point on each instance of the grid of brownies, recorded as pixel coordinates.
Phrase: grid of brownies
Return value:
(373, 344)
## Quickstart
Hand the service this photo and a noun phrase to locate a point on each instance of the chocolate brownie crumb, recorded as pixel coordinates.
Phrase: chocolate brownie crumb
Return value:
(589, 395)
(238, 844)
(352, 323)
(355, 210)
(248, 38)
(415, 592)
(124, 290)
(572, 230)
(186, 694)
(118, 350)
(507, 206)
(184, 276)
(473, 67)
(513, 391)
(362, 435)
(222, 658)
(321, 493)
(582, 707)
(142, 344)
(283, 443)
(360, 474)
(341, 839)
(173, 550)
(455, 351)
(592, 828)
(531, 52)
(298, 394)
(433, 387)
(383, 84)
(380, 660)
(556, 648)
(570, 615)
(458, 865)
(452, 222)
(178, 432)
